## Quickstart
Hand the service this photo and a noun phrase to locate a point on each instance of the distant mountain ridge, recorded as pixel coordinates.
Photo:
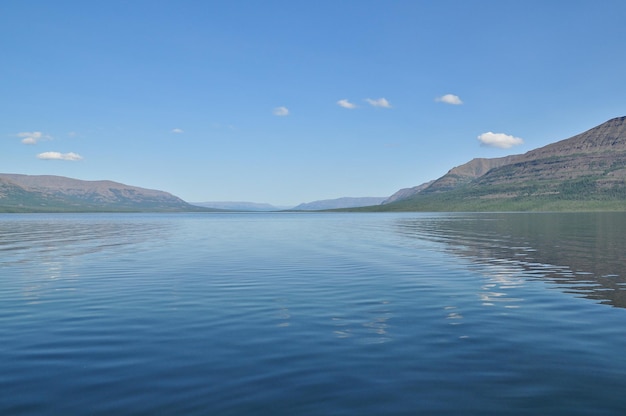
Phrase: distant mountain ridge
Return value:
(238, 206)
(48, 193)
(586, 171)
(338, 203)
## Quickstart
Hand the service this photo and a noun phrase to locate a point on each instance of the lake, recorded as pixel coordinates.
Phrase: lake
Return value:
(313, 314)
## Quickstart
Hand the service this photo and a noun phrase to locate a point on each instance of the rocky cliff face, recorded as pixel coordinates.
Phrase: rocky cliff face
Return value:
(607, 137)
(57, 193)
(590, 165)
(598, 154)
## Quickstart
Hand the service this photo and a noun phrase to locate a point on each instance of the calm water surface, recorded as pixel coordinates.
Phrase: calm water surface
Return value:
(313, 314)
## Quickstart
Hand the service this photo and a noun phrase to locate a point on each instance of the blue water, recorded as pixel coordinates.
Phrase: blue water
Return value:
(312, 314)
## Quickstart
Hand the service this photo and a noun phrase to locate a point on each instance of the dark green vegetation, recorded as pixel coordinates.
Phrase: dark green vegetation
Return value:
(584, 173)
(24, 193)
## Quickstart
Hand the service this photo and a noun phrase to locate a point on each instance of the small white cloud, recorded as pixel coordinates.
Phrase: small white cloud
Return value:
(33, 134)
(449, 99)
(178, 131)
(29, 140)
(33, 137)
(380, 102)
(59, 156)
(346, 104)
(281, 111)
(501, 140)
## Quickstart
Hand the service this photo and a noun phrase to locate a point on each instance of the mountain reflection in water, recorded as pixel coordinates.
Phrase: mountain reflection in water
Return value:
(583, 253)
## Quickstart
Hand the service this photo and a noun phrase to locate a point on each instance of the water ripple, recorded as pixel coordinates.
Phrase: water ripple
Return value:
(308, 314)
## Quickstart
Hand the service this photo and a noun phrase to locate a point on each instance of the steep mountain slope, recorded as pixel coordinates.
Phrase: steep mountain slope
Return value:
(597, 157)
(466, 173)
(406, 193)
(607, 137)
(457, 176)
(46, 193)
(587, 171)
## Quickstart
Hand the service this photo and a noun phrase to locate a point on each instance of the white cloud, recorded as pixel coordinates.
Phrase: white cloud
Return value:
(449, 99)
(33, 137)
(380, 102)
(346, 104)
(178, 131)
(281, 111)
(29, 140)
(501, 140)
(59, 156)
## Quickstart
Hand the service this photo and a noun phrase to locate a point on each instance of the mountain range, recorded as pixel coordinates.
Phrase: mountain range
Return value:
(584, 172)
(338, 203)
(238, 206)
(46, 193)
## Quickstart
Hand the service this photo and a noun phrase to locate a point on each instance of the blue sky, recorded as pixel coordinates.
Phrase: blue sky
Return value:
(293, 101)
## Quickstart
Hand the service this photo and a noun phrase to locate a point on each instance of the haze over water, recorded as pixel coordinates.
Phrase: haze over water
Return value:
(287, 313)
